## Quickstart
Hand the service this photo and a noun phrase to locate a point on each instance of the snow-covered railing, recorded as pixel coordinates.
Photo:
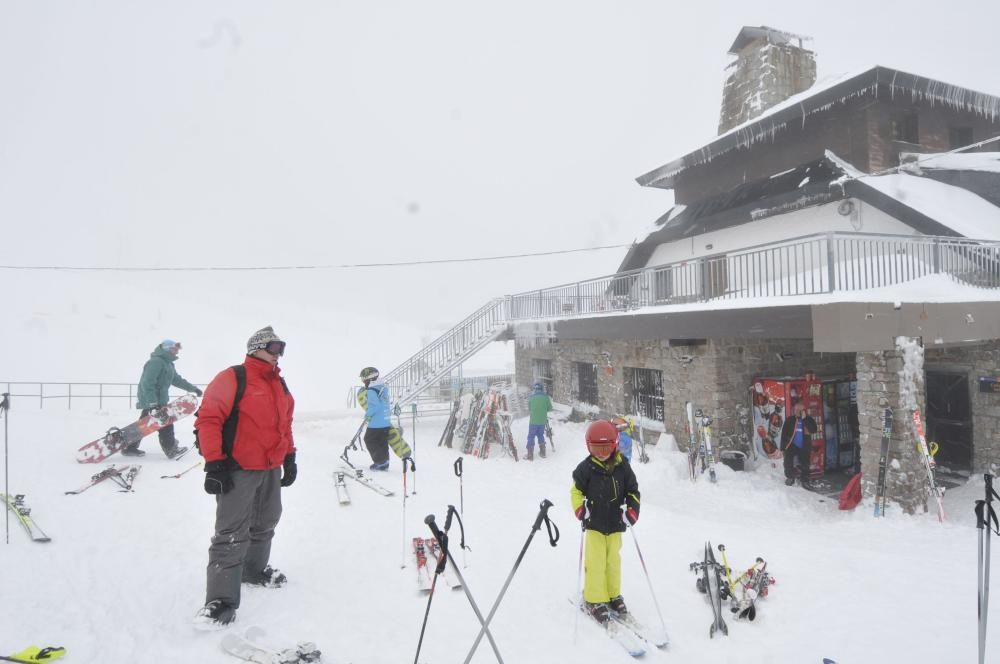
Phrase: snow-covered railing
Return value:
(806, 265)
(447, 352)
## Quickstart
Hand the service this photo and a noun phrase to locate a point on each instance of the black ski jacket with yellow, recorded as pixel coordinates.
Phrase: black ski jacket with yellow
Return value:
(605, 486)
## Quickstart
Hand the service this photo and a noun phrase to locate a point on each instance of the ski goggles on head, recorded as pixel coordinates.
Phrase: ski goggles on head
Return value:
(276, 348)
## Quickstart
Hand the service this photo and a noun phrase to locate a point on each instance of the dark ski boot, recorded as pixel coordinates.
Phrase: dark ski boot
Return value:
(216, 614)
(133, 451)
(617, 604)
(268, 578)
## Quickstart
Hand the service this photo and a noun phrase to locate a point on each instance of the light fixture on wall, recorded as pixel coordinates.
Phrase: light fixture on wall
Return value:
(785, 355)
(969, 319)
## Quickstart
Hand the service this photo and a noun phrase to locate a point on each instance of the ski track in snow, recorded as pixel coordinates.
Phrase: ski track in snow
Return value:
(125, 573)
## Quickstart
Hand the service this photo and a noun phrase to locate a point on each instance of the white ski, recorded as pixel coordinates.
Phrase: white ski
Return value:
(252, 646)
(358, 476)
(448, 574)
(343, 497)
(654, 637)
(617, 632)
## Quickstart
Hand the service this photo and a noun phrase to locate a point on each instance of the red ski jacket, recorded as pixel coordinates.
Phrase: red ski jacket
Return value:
(264, 429)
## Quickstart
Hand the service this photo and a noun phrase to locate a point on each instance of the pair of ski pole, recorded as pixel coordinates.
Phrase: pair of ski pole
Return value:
(645, 571)
(987, 523)
(442, 539)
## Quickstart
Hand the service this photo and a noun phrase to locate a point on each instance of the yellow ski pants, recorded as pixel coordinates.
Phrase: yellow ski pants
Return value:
(602, 565)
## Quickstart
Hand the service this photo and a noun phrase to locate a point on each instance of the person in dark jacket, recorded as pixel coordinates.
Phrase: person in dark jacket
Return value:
(245, 469)
(158, 375)
(796, 443)
(603, 484)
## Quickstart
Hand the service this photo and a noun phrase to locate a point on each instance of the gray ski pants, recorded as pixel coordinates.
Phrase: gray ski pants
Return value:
(245, 518)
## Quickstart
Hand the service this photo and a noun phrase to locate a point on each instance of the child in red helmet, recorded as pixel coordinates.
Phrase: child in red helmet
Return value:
(603, 484)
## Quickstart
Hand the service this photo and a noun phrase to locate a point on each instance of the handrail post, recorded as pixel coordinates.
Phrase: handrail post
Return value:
(937, 256)
(831, 270)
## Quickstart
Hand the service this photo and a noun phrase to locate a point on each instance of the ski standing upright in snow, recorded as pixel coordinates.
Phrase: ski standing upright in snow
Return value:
(930, 466)
(883, 462)
(710, 583)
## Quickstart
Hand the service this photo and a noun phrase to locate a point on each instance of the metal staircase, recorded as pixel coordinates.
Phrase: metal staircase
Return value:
(447, 352)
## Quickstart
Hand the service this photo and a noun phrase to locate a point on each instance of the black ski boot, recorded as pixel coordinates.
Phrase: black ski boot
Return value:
(268, 578)
(617, 604)
(789, 481)
(541, 450)
(175, 452)
(530, 456)
(598, 611)
(133, 451)
(216, 614)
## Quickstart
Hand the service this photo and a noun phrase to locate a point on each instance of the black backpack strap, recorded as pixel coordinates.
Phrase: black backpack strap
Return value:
(283, 384)
(229, 426)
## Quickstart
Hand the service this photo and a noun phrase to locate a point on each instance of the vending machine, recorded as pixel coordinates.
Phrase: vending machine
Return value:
(840, 422)
(775, 399)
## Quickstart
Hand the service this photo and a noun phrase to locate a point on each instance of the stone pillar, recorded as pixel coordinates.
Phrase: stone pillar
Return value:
(893, 379)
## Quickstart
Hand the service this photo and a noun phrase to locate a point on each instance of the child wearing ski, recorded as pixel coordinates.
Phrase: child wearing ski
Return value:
(539, 406)
(377, 413)
(603, 484)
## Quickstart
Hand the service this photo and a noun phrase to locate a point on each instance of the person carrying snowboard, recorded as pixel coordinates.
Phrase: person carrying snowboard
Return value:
(603, 484)
(796, 442)
(539, 406)
(245, 436)
(375, 396)
(158, 374)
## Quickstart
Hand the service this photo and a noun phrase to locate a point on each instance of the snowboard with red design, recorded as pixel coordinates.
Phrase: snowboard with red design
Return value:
(117, 439)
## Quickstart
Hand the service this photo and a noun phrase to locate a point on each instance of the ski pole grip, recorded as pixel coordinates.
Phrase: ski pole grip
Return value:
(447, 519)
(543, 513)
(429, 520)
(980, 514)
(458, 467)
(413, 466)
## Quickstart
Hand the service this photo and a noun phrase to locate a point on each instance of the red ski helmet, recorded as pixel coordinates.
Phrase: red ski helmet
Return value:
(602, 439)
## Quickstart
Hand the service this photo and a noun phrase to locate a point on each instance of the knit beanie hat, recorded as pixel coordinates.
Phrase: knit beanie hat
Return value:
(260, 339)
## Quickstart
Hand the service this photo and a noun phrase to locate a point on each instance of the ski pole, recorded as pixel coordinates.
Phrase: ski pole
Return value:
(543, 515)
(729, 576)
(413, 452)
(353, 443)
(461, 500)
(183, 472)
(443, 542)
(438, 570)
(5, 411)
(414, 469)
(987, 516)
(642, 560)
(579, 576)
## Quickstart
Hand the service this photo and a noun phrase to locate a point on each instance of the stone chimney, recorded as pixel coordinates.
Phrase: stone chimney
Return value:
(770, 67)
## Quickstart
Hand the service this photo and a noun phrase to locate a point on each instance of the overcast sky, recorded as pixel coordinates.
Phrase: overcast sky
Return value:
(249, 133)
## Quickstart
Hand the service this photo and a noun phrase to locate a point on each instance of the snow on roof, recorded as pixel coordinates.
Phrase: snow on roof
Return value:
(969, 161)
(766, 126)
(959, 209)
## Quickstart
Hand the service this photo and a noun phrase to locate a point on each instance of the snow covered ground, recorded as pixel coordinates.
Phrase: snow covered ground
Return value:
(124, 573)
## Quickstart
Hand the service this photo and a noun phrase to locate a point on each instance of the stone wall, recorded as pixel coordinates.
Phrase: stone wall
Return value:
(879, 387)
(716, 376)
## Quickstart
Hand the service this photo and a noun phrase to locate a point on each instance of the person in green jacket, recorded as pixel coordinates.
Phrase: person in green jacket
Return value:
(158, 374)
(539, 406)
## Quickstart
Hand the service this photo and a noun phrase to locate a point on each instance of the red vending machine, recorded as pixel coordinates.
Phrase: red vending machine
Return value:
(774, 399)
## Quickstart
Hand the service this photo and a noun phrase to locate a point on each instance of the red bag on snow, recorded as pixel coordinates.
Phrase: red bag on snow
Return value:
(851, 495)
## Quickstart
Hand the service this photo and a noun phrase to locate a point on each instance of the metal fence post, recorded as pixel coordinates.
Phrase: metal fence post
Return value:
(831, 270)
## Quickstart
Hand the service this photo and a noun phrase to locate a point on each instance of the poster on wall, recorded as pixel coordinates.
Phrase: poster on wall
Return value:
(773, 400)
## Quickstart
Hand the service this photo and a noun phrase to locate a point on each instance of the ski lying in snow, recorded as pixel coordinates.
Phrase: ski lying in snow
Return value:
(448, 574)
(343, 497)
(710, 582)
(929, 464)
(182, 473)
(425, 574)
(21, 510)
(654, 637)
(883, 462)
(110, 471)
(36, 654)
(617, 632)
(125, 478)
(358, 476)
(251, 646)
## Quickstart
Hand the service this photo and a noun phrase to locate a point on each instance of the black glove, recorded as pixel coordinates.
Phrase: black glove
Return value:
(218, 477)
(291, 470)
(198, 392)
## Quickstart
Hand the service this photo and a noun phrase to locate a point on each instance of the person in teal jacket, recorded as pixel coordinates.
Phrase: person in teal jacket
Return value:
(539, 406)
(158, 374)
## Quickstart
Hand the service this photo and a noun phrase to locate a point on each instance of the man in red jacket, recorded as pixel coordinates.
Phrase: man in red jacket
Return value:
(249, 456)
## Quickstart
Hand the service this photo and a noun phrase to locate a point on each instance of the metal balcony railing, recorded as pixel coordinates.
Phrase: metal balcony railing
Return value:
(807, 265)
(40, 393)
